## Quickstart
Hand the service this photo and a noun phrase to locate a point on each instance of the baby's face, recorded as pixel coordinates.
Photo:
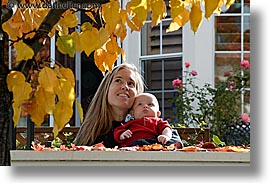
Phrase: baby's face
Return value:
(145, 106)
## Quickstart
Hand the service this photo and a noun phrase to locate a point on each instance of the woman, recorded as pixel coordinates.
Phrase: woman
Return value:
(110, 105)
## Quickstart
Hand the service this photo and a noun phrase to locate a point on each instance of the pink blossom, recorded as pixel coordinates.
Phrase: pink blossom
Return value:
(245, 64)
(245, 118)
(194, 73)
(187, 64)
(177, 83)
(232, 83)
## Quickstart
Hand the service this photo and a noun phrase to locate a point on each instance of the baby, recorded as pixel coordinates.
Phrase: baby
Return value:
(146, 128)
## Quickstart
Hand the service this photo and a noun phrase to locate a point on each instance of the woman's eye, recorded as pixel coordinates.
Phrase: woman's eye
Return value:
(131, 84)
(117, 80)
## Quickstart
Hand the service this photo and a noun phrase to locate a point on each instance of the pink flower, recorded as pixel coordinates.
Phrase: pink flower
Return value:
(187, 64)
(245, 64)
(245, 118)
(232, 83)
(177, 83)
(194, 73)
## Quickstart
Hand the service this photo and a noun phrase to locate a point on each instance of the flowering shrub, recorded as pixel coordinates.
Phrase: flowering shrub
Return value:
(217, 108)
(192, 101)
(228, 121)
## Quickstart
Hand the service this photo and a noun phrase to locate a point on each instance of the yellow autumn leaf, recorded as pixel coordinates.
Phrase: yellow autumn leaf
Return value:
(62, 115)
(13, 35)
(132, 25)
(16, 112)
(65, 44)
(47, 79)
(158, 11)
(104, 60)
(110, 60)
(211, 6)
(77, 44)
(121, 30)
(196, 17)
(111, 15)
(139, 10)
(80, 110)
(57, 71)
(21, 92)
(179, 21)
(65, 92)
(15, 78)
(70, 19)
(89, 40)
(14, 23)
(99, 57)
(179, 15)
(103, 36)
(23, 51)
(112, 46)
(45, 100)
(68, 74)
(37, 113)
(86, 26)
(28, 24)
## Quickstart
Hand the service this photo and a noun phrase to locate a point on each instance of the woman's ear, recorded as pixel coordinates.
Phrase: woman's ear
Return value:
(158, 114)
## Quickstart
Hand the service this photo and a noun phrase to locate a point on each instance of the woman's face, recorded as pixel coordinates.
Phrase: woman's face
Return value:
(122, 91)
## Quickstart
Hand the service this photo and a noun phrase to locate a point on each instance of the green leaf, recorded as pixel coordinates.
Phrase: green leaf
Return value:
(217, 141)
(66, 45)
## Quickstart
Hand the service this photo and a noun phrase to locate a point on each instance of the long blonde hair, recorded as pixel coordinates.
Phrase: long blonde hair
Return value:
(98, 119)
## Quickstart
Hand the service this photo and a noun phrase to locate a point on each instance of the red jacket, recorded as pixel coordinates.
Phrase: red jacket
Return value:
(141, 128)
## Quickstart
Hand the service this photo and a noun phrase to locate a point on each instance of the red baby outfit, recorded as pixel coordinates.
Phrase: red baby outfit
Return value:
(147, 127)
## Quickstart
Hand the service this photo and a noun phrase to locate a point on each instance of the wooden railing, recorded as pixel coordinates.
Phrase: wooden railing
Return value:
(43, 134)
(194, 135)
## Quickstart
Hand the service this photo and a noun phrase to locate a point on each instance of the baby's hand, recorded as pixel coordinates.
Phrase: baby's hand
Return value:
(127, 134)
(163, 139)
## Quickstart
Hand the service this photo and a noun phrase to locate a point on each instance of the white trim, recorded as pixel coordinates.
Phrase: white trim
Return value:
(199, 50)
(52, 56)
(77, 78)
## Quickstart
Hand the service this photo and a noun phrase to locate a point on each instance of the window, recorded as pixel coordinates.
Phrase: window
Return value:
(161, 61)
(220, 44)
(232, 29)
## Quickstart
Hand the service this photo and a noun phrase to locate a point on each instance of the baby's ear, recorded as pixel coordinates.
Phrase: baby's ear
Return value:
(158, 113)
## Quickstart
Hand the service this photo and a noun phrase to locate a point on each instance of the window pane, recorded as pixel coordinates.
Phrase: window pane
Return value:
(155, 40)
(246, 37)
(228, 33)
(234, 8)
(158, 74)
(150, 40)
(226, 64)
(246, 6)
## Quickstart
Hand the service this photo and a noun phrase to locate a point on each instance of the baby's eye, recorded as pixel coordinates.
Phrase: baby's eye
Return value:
(151, 104)
(139, 104)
